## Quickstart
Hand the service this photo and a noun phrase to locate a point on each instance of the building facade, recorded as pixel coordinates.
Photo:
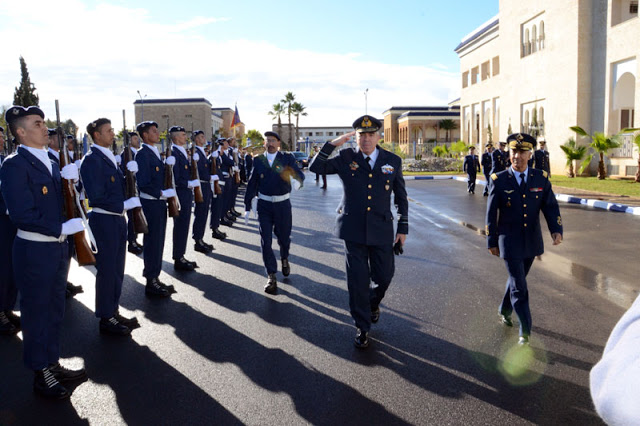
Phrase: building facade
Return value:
(309, 137)
(541, 67)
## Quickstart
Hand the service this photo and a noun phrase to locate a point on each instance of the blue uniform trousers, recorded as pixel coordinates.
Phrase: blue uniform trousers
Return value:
(200, 212)
(228, 199)
(131, 233)
(274, 218)
(181, 223)
(153, 241)
(471, 182)
(367, 263)
(216, 209)
(42, 281)
(516, 295)
(487, 177)
(110, 233)
(8, 289)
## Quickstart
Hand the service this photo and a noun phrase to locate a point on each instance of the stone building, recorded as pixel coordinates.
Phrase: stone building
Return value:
(308, 137)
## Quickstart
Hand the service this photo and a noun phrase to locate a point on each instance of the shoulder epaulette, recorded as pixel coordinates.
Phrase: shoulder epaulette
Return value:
(494, 176)
(545, 174)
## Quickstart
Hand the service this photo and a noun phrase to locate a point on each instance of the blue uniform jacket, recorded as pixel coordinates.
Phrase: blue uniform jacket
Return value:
(204, 165)
(150, 176)
(486, 163)
(365, 216)
(248, 164)
(274, 180)
(38, 206)
(182, 169)
(497, 161)
(471, 164)
(541, 160)
(513, 217)
(103, 182)
(226, 162)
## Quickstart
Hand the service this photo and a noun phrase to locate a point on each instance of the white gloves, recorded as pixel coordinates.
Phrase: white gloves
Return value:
(70, 172)
(78, 163)
(168, 193)
(72, 226)
(193, 183)
(215, 154)
(196, 157)
(246, 217)
(132, 166)
(132, 203)
(214, 178)
(171, 160)
(118, 159)
(295, 183)
(236, 169)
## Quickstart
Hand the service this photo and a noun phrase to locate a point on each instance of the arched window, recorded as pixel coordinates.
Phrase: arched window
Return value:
(541, 120)
(527, 43)
(541, 35)
(534, 39)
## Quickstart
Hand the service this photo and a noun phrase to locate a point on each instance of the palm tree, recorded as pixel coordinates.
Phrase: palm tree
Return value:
(287, 102)
(440, 150)
(601, 144)
(297, 109)
(276, 113)
(573, 152)
(448, 124)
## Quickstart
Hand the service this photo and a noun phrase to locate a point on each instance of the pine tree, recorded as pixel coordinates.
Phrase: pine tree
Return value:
(25, 93)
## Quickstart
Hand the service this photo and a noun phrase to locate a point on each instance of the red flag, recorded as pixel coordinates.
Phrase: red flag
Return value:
(236, 119)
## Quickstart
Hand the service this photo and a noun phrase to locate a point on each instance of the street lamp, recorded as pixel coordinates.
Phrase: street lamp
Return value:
(142, 104)
(365, 101)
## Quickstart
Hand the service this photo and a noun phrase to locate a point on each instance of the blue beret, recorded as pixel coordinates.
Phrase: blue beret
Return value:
(274, 134)
(141, 127)
(176, 129)
(18, 111)
(198, 132)
(52, 132)
(131, 134)
(521, 141)
(366, 124)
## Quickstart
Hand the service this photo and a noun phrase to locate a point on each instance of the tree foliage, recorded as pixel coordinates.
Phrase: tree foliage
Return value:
(573, 153)
(256, 138)
(68, 126)
(448, 125)
(25, 94)
(601, 144)
(440, 151)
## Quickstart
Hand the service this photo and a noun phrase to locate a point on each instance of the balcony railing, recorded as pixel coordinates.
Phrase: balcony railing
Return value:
(626, 148)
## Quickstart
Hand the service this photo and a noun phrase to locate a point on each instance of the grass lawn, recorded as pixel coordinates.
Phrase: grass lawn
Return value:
(610, 186)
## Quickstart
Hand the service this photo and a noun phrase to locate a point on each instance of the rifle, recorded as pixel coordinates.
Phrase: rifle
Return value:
(214, 168)
(71, 202)
(197, 191)
(173, 202)
(140, 225)
(235, 160)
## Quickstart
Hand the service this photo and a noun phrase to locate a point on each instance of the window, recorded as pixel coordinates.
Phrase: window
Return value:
(485, 70)
(318, 133)
(465, 79)
(633, 7)
(626, 118)
(495, 65)
(339, 133)
(329, 133)
(541, 35)
(474, 75)
(534, 39)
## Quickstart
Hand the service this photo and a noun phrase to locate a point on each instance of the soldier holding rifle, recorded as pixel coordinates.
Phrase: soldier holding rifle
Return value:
(201, 210)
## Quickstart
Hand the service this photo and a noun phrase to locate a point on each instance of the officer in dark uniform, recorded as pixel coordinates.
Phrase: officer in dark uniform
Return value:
(486, 167)
(32, 190)
(504, 150)
(235, 156)
(201, 210)
(471, 166)
(270, 181)
(516, 198)
(497, 161)
(133, 247)
(227, 166)
(153, 197)
(105, 186)
(217, 200)
(369, 175)
(541, 158)
(248, 163)
(9, 322)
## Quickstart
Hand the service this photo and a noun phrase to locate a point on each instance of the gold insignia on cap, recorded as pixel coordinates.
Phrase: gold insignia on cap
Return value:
(559, 221)
(519, 138)
(16, 111)
(113, 179)
(366, 122)
(45, 190)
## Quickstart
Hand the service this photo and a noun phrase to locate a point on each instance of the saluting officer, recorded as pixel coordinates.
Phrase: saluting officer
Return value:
(471, 166)
(133, 246)
(150, 180)
(486, 167)
(516, 198)
(105, 186)
(218, 200)
(184, 185)
(201, 210)
(541, 158)
(270, 181)
(32, 190)
(369, 175)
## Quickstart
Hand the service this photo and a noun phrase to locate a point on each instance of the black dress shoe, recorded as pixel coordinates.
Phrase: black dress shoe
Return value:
(506, 320)
(218, 234)
(46, 385)
(235, 213)
(134, 248)
(375, 314)
(183, 265)
(155, 288)
(286, 268)
(7, 328)
(362, 339)
(74, 289)
(113, 327)
(201, 247)
(209, 246)
(64, 375)
(224, 221)
(132, 323)
(272, 284)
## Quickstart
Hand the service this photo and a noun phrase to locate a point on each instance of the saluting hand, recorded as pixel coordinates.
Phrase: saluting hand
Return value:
(342, 139)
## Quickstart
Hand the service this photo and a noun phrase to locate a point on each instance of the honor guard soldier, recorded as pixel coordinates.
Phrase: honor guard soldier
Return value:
(234, 154)
(248, 164)
(486, 167)
(271, 178)
(471, 166)
(497, 160)
(201, 210)
(516, 197)
(32, 190)
(541, 158)
(369, 176)
(9, 322)
(227, 167)
(133, 247)
(184, 185)
(105, 186)
(153, 197)
(504, 150)
(217, 200)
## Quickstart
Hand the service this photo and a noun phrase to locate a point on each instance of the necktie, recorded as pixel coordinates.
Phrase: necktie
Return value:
(368, 159)
(522, 182)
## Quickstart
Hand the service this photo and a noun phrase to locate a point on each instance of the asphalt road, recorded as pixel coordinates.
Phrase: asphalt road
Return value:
(221, 351)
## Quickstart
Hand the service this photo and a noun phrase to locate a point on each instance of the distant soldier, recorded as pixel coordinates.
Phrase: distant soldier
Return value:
(498, 163)
(471, 166)
(486, 167)
(201, 210)
(133, 247)
(217, 201)
(541, 158)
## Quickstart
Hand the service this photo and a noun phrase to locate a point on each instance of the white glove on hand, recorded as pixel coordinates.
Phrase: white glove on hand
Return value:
(132, 166)
(193, 183)
(70, 172)
(214, 178)
(236, 169)
(215, 154)
(295, 183)
(132, 203)
(171, 160)
(78, 163)
(246, 217)
(196, 157)
(72, 226)
(168, 193)
(118, 159)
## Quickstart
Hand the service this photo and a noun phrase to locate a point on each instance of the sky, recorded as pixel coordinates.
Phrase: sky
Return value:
(95, 55)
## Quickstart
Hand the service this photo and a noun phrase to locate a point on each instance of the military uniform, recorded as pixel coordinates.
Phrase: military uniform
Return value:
(133, 247)
(9, 323)
(486, 169)
(541, 160)
(513, 225)
(471, 166)
(201, 210)
(217, 201)
(226, 166)
(497, 162)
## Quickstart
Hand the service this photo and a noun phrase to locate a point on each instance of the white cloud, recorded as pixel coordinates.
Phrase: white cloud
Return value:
(101, 56)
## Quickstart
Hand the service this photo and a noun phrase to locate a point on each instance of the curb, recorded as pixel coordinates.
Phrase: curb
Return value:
(598, 204)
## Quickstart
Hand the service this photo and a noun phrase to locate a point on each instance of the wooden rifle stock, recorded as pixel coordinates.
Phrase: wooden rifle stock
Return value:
(214, 171)
(140, 225)
(235, 160)
(84, 254)
(197, 191)
(172, 203)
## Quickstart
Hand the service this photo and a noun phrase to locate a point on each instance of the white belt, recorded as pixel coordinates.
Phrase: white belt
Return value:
(148, 197)
(34, 236)
(221, 182)
(204, 181)
(225, 174)
(273, 198)
(103, 211)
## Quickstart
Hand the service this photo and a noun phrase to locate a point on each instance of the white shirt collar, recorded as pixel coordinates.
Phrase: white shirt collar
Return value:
(271, 157)
(373, 156)
(182, 150)
(201, 149)
(106, 152)
(54, 152)
(153, 148)
(41, 154)
(134, 150)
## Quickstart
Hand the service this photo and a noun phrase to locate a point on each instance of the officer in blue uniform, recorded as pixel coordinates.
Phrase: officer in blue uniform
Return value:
(516, 198)
(369, 176)
(471, 166)
(32, 190)
(217, 200)
(105, 186)
(201, 210)
(541, 158)
(486, 167)
(133, 247)
(9, 322)
(150, 180)
(270, 181)
(183, 185)
(227, 166)
(506, 158)
(497, 161)
(234, 154)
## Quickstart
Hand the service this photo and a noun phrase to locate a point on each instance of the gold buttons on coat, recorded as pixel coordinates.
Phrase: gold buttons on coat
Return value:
(525, 206)
(369, 186)
(370, 175)
(369, 197)
(368, 209)
(525, 225)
